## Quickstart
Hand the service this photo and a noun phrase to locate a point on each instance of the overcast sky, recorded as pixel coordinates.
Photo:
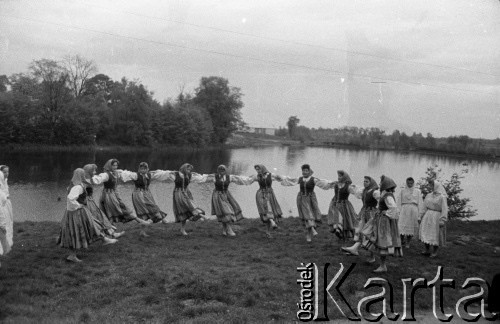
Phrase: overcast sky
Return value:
(314, 59)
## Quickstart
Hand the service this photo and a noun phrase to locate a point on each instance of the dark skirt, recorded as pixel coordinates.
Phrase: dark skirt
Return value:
(184, 206)
(225, 207)
(342, 218)
(145, 206)
(308, 209)
(114, 208)
(99, 216)
(384, 237)
(267, 205)
(78, 229)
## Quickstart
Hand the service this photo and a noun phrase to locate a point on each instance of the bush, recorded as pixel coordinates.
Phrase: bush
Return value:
(458, 207)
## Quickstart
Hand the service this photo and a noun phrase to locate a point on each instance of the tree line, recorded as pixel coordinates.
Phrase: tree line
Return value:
(68, 102)
(373, 137)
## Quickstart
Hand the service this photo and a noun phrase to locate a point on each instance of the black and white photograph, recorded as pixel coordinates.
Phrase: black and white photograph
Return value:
(216, 161)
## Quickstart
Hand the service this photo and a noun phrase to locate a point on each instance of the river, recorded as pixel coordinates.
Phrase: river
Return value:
(38, 181)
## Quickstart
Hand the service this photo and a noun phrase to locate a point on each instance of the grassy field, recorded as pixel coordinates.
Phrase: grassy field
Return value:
(206, 277)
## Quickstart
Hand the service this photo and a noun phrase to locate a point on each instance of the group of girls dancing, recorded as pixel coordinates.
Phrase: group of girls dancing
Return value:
(385, 223)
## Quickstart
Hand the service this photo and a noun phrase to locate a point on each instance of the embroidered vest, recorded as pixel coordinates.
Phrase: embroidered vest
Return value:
(143, 181)
(265, 181)
(368, 200)
(221, 185)
(181, 183)
(111, 183)
(306, 187)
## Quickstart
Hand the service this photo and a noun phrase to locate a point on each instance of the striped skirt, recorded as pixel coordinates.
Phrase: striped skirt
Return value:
(383, 237)
(145, 205)
(114, 208)
(342, 218)
(308, 209)
(268, 205)
(225, 207)
(184, 206)
(78, 229)
(99, 216)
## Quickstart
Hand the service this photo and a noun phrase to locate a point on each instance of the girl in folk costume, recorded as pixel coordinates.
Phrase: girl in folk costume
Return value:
(6, 215)
(307, 203)
(410, 204)
(370, 196)
(384, 238)
(183, 204)
(78, 227)
(111, 203)
(142, 198)
(99, 216)
(342, 218)
(224, 206)
(435, 215)
(267, 204)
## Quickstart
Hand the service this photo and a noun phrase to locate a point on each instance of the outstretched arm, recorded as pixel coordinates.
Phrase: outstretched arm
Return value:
(242, 180)
(126, 176)
(324, 184)
(163, 175)
(288, 181)
(202, 178)
(100, 178)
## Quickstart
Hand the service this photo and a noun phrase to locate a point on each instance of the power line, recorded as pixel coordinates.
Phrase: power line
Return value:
(249, 57)
(298, 43)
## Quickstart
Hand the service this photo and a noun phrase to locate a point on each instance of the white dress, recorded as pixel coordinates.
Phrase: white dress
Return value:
(6, 217)
(435, 215)
(410, 204)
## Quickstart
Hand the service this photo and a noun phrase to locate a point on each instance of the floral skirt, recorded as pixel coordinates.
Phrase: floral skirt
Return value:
(225, 207)
(78, 229)
(184, 206)
(146, 207)
(114, 208)
(342, 218)
(308, 209)
(268, 205)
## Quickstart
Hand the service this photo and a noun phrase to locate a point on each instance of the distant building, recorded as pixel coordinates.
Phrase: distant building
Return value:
(258, 130)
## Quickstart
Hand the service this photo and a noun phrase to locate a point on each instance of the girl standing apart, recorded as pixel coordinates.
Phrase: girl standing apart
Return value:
(142, 198)
(410, 204)
(97, 213)
(435, 216)
(384, 238)
(78, 227)
(307, 203)
(183, 203)
(6, 215)
(111, 203)
(342, 218)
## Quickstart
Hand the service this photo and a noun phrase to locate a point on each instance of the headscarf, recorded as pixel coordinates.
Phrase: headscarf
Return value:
(439, 189)
(89, 170)
(344, 177)
(263, 169)
(373, 184)
(184, 167)
(79, 178)
(386, 183)
(108, 166)
(221, 167)
(409, 179)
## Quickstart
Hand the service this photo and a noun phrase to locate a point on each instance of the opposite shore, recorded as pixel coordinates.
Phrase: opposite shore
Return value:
(237, 140)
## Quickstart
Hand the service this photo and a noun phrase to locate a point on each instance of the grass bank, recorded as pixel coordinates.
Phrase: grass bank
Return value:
(206, 277)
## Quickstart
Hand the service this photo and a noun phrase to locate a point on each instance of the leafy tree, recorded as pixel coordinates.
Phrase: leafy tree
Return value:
(223, 104)
(458, 207)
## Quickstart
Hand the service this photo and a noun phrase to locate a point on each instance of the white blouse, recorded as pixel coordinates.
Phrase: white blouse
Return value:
(321, 183)
(71, 203)
(392, 212)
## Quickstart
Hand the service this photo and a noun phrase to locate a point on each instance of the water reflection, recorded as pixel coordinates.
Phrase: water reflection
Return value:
(38, 179)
